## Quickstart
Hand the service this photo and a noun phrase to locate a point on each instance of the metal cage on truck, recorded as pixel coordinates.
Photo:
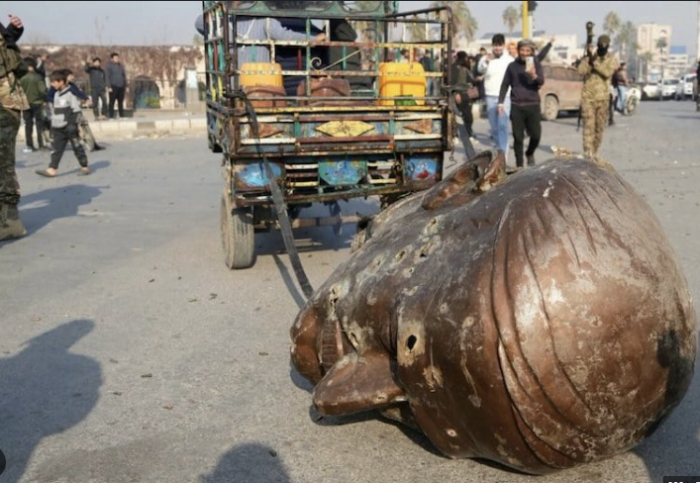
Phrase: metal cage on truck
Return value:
(332, 120)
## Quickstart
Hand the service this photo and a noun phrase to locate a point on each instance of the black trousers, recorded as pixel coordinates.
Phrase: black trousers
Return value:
(97, 97)
(525, 119)
(117, 95)
(34, 116)
(61, 138)
(465, 109)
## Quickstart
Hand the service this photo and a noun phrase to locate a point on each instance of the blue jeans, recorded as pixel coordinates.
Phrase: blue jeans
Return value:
(621, 98)
(499, 123)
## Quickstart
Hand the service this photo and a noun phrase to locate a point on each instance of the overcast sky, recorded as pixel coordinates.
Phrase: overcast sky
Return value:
(147, 23)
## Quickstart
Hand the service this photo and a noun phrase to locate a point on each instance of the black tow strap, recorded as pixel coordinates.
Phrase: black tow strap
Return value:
(278, 199)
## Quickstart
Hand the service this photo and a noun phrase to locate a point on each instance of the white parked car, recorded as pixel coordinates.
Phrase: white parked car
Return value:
(668, 88)
(651, 91)
(684, 90)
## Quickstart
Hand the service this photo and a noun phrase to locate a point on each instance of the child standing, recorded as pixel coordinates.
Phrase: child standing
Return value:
(64, 126)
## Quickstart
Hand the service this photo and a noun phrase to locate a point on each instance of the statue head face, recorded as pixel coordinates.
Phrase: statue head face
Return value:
(479, 312)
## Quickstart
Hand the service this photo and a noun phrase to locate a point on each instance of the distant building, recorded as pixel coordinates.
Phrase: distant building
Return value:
(655, 40)
(678, 63)
(649, 38)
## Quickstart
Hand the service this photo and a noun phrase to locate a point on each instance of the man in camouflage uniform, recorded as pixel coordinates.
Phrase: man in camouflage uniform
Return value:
(597, 69)
(12, 102)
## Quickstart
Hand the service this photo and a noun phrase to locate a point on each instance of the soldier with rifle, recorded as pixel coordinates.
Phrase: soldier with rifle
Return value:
(12, 102)
(597, 69)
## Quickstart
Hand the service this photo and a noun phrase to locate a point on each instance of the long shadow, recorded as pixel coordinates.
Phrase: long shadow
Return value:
(249, 463)
(39, 209)
(673, 448)
(44, 390)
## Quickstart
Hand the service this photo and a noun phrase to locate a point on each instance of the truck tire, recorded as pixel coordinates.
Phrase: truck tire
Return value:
(237, 235)
(551, 108)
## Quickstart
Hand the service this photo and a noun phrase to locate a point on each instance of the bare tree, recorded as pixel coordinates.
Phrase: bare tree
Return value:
(100, 28)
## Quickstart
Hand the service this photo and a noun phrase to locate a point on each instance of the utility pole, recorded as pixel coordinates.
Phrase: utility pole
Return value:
(526, 20)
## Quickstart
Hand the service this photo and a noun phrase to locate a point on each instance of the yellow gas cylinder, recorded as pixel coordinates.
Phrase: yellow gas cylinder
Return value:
(402, 80)
(261, 74)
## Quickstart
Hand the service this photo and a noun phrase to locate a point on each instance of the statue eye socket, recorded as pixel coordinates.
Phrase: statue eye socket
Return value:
(411, 342)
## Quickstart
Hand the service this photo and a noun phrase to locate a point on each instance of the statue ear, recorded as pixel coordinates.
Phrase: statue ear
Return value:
(357, 383)
(476, 174)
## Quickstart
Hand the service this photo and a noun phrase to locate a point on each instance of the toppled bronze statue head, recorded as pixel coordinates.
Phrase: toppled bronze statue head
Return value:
(539, 321)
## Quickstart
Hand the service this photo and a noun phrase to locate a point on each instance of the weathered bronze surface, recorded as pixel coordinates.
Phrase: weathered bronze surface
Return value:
(539, 321)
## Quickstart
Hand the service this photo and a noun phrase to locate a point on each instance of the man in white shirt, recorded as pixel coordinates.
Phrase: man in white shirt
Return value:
(493, 68)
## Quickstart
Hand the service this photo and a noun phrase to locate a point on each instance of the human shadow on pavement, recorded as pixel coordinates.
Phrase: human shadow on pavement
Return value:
(249, 463)
(38, 209)
(674, 448)
(44, 390)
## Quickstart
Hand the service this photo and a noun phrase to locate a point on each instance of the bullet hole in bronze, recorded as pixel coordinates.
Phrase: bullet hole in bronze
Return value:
(400, 256)
(411, 342)
(425, 250)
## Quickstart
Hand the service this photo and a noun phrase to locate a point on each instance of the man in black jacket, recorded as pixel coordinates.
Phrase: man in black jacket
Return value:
(525, 78)
(116, 85)
(98, 87)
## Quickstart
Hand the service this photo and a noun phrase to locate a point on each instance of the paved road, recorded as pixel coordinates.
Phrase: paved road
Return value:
(129, 353)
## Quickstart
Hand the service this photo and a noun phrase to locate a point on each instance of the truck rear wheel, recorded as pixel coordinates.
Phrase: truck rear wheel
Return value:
(237, 235)
(551, 108)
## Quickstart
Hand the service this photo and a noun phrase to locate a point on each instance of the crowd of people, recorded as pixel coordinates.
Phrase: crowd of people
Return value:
(45, 103)
(507, 81)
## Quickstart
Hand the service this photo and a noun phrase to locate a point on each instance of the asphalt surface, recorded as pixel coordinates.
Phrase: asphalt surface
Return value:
(130, 353)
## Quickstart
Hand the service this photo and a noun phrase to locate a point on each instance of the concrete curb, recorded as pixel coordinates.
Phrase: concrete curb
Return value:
(133, 128)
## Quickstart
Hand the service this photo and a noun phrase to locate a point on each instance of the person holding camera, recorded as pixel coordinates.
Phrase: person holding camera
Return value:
(524, 78)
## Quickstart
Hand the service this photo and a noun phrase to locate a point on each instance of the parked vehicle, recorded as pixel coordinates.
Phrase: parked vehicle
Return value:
(668, 88)
(651, 91)
(321, 140)
(685, 87)
(561, 90)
